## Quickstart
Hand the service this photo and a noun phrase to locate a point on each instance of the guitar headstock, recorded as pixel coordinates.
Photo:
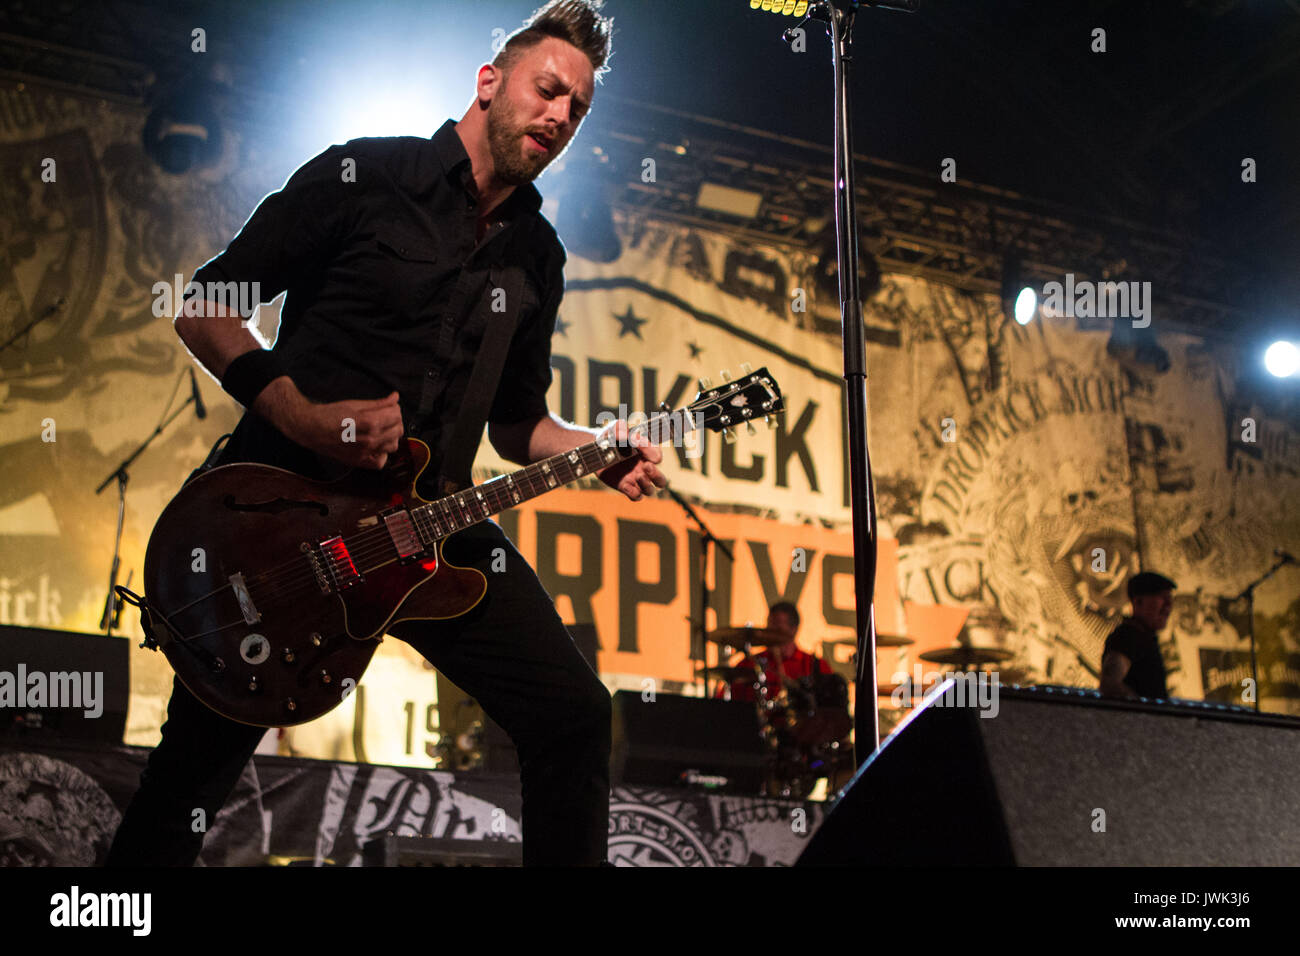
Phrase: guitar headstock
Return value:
(723, 407)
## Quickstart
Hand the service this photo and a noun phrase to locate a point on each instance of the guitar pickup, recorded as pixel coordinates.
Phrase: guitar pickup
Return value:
(402, 532)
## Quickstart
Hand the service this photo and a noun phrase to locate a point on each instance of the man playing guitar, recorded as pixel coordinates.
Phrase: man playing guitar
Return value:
(387, 248)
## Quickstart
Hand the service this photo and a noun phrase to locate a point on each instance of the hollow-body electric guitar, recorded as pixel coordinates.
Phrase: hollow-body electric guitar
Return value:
(269, 592)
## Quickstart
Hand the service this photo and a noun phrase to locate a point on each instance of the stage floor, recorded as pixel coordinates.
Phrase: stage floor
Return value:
(60, 803)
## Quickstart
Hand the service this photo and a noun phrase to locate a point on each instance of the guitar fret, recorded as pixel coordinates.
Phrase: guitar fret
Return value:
(451, 513)
(605, 451)
(563, 469)
(590, 455)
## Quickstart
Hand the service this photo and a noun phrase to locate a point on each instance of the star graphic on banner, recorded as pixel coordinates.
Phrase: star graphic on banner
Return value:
(629, 324)
(562, 327)
(695, 349)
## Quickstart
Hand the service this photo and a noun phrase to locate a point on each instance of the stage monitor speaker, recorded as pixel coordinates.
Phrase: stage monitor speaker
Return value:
(63, 659)
(393, 850)
(1066, 777)
(679, 741)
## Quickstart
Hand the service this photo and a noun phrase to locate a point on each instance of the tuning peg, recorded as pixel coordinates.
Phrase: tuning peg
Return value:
(729, 436)
(771, 420)
(750, 429)
(746, 368)
(706, 384)
(726, 376)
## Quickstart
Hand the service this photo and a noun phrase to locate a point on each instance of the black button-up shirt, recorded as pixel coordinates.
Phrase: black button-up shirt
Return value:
(374, 243)
(1141, 645)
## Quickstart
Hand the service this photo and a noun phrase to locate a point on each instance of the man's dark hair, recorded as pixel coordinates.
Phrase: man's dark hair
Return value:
(577, 22)
(1148, 582)
(788, 609)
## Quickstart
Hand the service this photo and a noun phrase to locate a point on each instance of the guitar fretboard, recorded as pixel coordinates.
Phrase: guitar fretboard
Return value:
(458, 511)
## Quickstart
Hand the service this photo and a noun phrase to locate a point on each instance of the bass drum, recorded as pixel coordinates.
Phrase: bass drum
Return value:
(825, 717)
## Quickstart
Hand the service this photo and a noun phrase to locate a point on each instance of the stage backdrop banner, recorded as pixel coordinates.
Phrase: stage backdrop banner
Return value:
(1022, 474)
(61, 805)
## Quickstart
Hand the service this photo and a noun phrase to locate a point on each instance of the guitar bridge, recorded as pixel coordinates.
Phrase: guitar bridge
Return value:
(317, 567)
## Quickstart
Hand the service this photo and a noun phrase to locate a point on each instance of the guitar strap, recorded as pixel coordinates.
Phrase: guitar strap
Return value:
(498, 330)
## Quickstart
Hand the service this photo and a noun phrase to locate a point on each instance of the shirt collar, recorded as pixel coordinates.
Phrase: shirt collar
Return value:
(456, 167)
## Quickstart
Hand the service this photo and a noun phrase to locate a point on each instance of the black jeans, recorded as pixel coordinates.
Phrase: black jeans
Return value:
(511, 653)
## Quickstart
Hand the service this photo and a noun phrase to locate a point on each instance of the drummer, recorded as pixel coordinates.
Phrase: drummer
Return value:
(778, 659)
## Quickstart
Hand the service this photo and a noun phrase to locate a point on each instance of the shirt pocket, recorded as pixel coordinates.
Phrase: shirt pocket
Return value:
(407, 271)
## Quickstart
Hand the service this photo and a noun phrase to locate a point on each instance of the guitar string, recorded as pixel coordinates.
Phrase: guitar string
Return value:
(297, 580)
(293, 572)
(374, 542)
(367, 545)
(450, 508)
(293, 576)
(380, 544)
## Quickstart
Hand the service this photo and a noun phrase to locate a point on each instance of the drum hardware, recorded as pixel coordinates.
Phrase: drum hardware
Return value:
(749, 636)
(967, 658)
(882, 640)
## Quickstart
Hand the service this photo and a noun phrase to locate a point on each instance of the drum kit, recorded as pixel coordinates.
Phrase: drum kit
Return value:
(804, 721)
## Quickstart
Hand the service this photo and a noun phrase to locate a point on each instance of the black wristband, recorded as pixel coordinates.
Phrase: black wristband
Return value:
(250, 373)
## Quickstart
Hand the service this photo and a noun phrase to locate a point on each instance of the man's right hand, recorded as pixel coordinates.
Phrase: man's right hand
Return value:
(358, 433)
(375, 431)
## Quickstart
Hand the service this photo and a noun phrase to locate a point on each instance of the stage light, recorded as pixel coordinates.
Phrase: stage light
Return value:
(1282, 359)
(734, 202)
(1026, 305)
(795, 8)
(1019, 299)
(182, 131)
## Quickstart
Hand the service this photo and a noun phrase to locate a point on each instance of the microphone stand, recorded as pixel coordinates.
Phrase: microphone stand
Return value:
(1249, 596)
(706, 538)
(839, 15)
(113, 603)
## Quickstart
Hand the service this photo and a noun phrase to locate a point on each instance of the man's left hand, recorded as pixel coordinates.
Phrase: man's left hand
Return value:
(635, 476)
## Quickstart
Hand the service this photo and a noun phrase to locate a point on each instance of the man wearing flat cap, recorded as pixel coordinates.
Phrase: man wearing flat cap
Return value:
(1131, 665)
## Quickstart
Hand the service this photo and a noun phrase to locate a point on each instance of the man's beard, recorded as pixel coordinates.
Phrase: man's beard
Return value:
(506, 141)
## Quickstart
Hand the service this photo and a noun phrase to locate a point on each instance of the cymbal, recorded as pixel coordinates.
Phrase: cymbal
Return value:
(882, 640)
(740, 636)
(728, 674)
(967, 656)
